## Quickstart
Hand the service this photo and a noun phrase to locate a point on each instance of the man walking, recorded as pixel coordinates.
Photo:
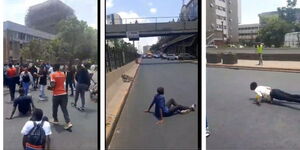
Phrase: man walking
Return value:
(260, 48)
(83, 83)
(60, 97)
(11, 73)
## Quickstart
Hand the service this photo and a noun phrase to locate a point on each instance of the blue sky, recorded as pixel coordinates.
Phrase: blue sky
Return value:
(144, 8)
(251, 8)
(15, 10)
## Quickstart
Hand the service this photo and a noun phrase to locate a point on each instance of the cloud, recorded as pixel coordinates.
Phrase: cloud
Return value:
(109, 3)
(131, 17)
(153, 10)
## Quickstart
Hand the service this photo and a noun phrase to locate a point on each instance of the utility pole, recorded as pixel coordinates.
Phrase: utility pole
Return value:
(222, 31)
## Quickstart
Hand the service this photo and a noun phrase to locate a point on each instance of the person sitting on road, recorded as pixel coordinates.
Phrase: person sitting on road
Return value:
(36, 119)
(165, 110)
(268, 94)
(23, 103)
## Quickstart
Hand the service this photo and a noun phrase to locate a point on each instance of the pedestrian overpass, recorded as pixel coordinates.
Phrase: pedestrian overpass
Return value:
(151, 29)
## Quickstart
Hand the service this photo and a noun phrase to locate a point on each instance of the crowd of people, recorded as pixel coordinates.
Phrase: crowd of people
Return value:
(57, 78)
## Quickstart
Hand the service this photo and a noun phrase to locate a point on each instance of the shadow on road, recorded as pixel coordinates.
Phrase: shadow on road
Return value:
(281, 103)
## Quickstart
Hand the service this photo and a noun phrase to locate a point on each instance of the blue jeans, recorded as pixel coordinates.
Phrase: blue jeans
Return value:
(42, 91)
(26, 87)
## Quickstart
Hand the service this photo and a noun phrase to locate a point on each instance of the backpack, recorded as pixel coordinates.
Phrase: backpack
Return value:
(36, 136)
(26, 78)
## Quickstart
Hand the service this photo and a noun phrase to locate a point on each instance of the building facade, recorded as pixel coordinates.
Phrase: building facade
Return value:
(222, 19)
(45, 16)
(292, 40)
(113, 19)
(16, 36)
(275, 14)
(248, 33)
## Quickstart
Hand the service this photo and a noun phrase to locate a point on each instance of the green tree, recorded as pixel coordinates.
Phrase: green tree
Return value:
(80, 40)
(288, 13)
(33, 50)
(273, 32)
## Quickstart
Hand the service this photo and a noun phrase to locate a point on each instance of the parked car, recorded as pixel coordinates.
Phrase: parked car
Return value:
(156, 56)
(163, 56)
(211, 46)
(185, 56)
(171, 57)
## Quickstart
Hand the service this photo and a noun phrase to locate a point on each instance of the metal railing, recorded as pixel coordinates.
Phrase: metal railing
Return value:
(115, 58)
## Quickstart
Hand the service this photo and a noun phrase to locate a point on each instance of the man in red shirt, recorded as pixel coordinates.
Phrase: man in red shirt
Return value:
(11, 73)
(60, 97)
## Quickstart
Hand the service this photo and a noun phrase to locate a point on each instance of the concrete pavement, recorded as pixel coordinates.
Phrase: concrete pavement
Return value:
(137, 130)
(237, 123)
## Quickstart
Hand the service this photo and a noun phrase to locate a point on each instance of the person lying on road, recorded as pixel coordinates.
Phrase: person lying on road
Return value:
(165, 110)
(268, 94)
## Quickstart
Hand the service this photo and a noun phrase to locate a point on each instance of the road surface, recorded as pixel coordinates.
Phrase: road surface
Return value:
(237, 123)
(84, 131)
(137, 129)
(253, 50)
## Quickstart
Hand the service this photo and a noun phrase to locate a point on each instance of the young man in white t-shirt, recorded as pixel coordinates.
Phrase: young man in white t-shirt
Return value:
(37, 117)
(267, 93)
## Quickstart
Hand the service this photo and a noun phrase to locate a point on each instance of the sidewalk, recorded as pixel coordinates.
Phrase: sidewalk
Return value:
(116, 96)
(281, 66)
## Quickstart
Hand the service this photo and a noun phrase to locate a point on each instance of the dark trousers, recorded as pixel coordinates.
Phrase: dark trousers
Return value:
(62, 101)
(12, 88)
(35, 82)
(260, 59)
(80, 90)
(281, 95)
(174, 107)
(69, 83)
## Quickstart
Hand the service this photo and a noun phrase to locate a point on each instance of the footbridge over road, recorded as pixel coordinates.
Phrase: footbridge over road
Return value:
(151, 29)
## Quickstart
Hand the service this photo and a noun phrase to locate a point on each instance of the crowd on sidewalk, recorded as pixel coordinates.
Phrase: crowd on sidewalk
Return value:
(57, 78)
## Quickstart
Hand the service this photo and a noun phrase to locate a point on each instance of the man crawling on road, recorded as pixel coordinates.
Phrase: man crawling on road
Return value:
(268, 94)
(170, 108)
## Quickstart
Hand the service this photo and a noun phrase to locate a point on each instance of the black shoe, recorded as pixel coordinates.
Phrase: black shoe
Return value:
(73, 104)
(71, 95)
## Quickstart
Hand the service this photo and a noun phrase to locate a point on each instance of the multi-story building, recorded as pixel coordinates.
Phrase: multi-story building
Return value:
(113, 19)
(222, 19)
(45, 16)
(275, 14)
(16, 36)
(248, 33)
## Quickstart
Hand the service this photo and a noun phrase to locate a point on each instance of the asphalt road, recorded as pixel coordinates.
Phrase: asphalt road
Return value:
(237, 123)
(137, 129)
(84, 131)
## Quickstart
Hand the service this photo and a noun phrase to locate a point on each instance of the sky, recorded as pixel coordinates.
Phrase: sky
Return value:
(16, 10)
(142, 9)
(251, 8)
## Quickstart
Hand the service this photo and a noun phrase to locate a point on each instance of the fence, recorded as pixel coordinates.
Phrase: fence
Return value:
(115, 58)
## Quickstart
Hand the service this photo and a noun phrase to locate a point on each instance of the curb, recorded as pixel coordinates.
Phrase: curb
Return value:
(110, 130)
(253, 68)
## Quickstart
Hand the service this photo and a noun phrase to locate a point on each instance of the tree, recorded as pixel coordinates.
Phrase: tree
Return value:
(288, 13)
(274, 31)
(33, 50)
(80, 40)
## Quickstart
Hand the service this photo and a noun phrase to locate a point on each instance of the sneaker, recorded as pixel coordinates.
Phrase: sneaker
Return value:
(207, 133)
(71, 95)
(185, 111)
(68, 126)
(81, 108)
(193, 107)
(73, 104)
(54, 121)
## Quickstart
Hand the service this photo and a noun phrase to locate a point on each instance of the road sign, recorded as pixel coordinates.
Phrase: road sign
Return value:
(133, 35)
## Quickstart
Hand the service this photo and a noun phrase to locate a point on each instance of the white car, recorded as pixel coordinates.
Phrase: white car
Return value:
(171, 57)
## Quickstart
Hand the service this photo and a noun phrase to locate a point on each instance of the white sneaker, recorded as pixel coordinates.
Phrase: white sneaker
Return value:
(193, 107)
(185, 111)
(207, 133)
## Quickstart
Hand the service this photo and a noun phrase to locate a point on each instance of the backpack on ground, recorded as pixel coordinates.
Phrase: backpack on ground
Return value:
(36, 137)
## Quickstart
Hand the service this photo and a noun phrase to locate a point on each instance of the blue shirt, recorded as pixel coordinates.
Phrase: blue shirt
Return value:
(159, 101)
